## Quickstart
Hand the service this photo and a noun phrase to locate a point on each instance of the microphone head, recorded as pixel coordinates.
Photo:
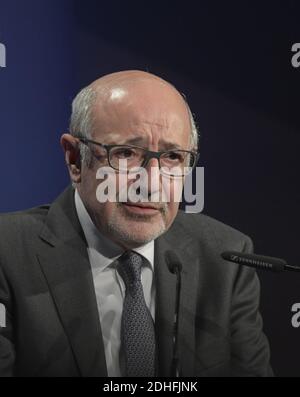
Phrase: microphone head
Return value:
(173, 262)
(253, 260)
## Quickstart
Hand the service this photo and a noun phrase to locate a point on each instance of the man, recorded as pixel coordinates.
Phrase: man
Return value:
(85, 282)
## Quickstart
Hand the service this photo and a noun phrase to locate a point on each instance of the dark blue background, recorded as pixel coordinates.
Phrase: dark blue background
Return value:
(231, 59)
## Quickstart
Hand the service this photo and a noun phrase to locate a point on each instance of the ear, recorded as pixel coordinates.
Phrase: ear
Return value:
(70, 146)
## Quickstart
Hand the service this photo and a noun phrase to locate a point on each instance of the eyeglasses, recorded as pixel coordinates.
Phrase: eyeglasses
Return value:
(175, 163)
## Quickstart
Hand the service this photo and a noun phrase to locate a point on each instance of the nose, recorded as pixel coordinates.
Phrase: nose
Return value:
(152, 168)
(152, 163)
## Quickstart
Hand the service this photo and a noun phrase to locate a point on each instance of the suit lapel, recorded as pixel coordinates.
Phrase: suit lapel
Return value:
(64, 261)
(178, 241)
(165, 302)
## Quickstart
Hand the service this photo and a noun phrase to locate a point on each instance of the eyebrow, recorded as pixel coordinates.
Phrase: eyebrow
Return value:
(141, 141)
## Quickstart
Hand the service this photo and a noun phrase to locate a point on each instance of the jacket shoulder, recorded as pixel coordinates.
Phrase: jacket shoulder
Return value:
(22, 222)
(210, 229)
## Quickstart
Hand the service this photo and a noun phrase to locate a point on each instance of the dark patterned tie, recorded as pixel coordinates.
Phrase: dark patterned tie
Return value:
(137, 329)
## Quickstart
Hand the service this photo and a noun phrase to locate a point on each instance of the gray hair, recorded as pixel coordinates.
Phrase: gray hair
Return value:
(81, 119)
(81, 123)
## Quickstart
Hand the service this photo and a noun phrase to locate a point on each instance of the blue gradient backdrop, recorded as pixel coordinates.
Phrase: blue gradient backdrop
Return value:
(231, 59)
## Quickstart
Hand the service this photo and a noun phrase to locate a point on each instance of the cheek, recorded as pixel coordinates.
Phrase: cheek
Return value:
(88, 180)
(172, 210)
(106, 210)
(103, 213)
(176, 187)
(122, 183)
(172, 189)
(93, 188)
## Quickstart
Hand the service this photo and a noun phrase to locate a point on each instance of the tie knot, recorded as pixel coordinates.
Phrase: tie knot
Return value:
(129, 268)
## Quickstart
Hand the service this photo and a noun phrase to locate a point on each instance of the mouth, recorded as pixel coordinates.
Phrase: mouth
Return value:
(137, 208)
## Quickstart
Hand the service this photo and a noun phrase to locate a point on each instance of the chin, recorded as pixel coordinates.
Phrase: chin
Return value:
(133, 236)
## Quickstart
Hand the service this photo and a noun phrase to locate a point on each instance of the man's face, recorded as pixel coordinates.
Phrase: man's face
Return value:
(149, 114)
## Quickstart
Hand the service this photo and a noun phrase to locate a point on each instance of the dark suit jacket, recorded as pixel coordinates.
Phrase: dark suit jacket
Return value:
(53, 328)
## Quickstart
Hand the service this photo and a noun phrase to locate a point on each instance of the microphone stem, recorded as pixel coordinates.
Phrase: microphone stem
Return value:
(175, 360)
(292, 268)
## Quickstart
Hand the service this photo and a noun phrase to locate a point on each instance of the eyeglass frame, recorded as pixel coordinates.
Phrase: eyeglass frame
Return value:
(149, 154)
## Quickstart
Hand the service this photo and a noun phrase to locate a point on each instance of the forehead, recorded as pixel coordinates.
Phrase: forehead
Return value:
(148, 109)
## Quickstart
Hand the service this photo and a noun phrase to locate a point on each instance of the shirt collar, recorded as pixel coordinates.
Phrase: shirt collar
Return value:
(96, 241)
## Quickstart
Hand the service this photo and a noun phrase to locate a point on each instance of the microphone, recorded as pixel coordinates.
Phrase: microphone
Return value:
(175, 267)
(259, 261)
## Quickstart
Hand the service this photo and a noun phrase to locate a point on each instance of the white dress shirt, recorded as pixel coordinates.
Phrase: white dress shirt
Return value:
(109, 285)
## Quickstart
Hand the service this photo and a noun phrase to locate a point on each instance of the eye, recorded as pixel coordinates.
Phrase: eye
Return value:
(124, 153)
(175, 156)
